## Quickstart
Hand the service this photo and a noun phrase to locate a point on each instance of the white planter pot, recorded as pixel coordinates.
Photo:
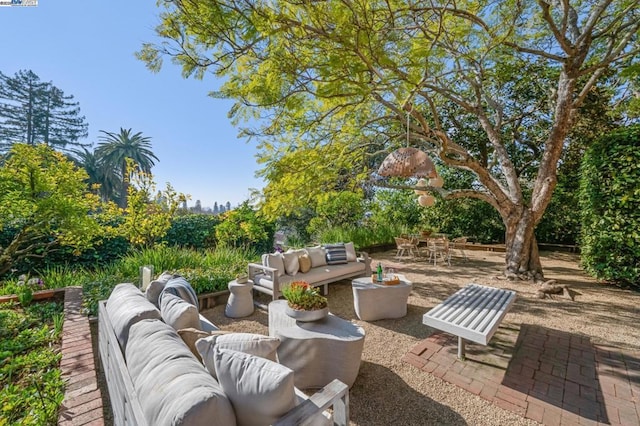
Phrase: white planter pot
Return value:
(307, 316)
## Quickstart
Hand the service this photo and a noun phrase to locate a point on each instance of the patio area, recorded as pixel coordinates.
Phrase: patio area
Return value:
(551, 361)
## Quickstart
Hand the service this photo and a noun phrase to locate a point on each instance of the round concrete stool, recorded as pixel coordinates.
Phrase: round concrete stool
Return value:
(240, 303)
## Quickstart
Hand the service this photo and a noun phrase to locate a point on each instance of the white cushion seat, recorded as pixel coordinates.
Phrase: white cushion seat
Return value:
(172, 386)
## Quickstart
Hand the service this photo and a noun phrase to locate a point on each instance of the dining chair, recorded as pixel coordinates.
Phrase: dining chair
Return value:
(439, 247)
(407, 248)
(459, 244)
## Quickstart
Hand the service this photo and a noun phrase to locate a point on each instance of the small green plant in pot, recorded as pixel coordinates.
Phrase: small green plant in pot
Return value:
(302, 297)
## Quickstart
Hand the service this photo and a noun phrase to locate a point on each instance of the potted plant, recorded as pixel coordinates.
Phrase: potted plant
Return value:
(304, 302)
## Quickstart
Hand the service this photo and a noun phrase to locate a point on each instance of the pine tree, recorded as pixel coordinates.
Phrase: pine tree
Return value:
(32, 111)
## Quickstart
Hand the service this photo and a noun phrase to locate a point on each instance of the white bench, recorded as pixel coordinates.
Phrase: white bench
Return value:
(472, 313)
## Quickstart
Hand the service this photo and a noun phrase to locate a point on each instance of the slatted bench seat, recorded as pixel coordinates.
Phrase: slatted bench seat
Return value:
(472, 313)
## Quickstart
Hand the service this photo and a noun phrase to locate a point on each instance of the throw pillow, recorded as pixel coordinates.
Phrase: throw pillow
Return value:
(317, 255)
(305, 263)
(155, 287)
(260, 390)
(126, 306)
(191, 335)
(178, 313)
(351, 252)
(254, 344)
(276, 261)
(291, 265)
(172, 386)
(336, 254)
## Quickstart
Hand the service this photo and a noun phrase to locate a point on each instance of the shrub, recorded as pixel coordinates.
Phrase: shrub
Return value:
(196, 231)
(610, 208)
(206, 271)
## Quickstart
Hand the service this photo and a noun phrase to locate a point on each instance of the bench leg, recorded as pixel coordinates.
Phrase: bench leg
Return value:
(461, 352)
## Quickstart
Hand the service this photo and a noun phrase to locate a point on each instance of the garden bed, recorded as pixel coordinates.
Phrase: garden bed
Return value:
(30, 341)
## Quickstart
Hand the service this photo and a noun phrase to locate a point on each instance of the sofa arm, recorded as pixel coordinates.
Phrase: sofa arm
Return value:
(255, 269)
(334, 394)
(364, 258)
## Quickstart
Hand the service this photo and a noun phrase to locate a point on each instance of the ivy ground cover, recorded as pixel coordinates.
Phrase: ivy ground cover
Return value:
(31, 386)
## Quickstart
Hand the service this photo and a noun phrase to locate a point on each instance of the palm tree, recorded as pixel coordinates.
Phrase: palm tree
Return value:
(106, 177)
(115, 148)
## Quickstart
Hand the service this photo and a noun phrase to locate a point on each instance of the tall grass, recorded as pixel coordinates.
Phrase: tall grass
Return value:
(206, 271)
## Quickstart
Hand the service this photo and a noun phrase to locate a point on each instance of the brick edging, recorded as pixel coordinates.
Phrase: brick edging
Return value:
(82, 404)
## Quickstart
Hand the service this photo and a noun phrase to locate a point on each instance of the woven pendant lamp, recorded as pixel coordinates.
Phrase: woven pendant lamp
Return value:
(436, 182)
(426, 200)
(421, 182)
(407, 162)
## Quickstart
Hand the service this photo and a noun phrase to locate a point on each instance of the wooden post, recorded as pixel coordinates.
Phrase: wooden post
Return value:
(146, 276)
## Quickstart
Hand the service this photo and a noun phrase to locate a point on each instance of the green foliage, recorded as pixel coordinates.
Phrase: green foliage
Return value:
(25, 296)
(196, 231)
(395, 209)
(206, 271)
(336, 209)
(32, 387)
(301, 296)
(362, 236)
(610, 207)
(45, 203)
(465, 217)
(148, 214)
(243, 228)
(36, 112)
(113, 153)
(98, 286)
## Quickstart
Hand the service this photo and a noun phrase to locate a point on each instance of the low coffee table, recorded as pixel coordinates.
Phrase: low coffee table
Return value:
(317, 351)
(374, 301)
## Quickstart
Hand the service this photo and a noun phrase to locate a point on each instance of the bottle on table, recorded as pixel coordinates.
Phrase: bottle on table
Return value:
(379, 272)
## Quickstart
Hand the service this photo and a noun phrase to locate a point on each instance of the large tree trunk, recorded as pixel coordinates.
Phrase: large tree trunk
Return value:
(522, 258)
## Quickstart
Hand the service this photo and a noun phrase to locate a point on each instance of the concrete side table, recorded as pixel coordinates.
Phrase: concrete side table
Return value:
(317, 351)
(379, 301)
(240, 302)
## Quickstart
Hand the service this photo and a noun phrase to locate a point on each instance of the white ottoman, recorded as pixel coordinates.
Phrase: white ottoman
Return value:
(240, 302)
(379, 301)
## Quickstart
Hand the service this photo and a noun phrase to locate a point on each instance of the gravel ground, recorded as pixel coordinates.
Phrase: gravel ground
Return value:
(390, 392)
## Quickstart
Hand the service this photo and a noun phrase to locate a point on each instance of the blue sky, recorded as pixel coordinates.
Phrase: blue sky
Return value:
(86, 48)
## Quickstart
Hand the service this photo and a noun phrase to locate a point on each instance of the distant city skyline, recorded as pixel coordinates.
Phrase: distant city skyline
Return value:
(87, 50)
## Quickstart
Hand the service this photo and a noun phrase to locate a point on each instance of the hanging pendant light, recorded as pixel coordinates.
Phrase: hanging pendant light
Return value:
(421, 182)
(426, 200)
(436, 182)
(407, 162)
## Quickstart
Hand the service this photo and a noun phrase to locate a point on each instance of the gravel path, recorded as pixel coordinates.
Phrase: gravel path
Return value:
(391, 392)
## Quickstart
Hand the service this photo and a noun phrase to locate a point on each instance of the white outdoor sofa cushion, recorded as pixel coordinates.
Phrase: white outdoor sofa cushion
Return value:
(173, 387)
(271, 280)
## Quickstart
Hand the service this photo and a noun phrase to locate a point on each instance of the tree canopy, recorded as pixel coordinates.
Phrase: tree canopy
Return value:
(113, 151)
(33, 111)
(44, 201)
(354, 74)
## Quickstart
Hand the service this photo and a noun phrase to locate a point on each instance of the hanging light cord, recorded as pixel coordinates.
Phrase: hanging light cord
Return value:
(408, 115)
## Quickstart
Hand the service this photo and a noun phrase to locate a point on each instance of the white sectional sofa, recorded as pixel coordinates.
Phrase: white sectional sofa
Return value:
(327, 263)
(155, 376)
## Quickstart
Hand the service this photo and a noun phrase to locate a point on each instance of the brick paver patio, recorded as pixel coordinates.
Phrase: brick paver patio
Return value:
(550, 376)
